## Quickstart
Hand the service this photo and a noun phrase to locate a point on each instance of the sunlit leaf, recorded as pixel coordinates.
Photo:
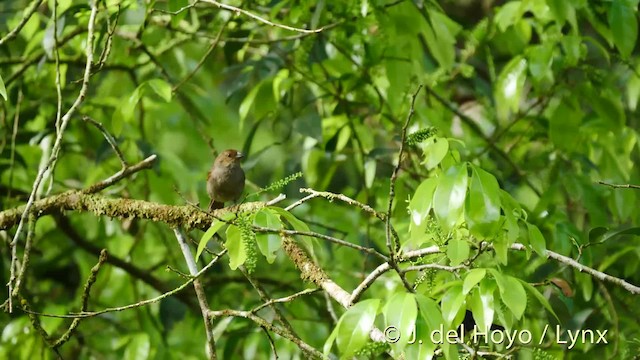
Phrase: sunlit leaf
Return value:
(161, 88)
(214, 228)
(452, 302)
(473, 277)
(482, 305)
(268, 243)
(449, 196)
(509, 85)
(3, 90)
(352, 330)
(235, 246)
(401, 311)
(457, 251)
(434, 152)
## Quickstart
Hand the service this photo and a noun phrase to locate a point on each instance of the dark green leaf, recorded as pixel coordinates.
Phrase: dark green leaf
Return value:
(482, 211)
(624, 26)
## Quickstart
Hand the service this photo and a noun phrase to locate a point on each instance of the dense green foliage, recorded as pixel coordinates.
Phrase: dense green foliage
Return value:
(519, 121)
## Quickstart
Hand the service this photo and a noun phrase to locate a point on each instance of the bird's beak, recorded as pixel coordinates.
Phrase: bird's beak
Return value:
(239, 155)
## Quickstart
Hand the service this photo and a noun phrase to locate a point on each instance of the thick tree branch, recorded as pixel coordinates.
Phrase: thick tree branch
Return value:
(74, 200)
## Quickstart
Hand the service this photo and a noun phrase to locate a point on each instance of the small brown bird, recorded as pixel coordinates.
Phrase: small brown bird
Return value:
(225, 181)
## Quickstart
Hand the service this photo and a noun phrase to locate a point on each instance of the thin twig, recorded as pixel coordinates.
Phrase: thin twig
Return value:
(619, 186)
(265, 324)
(107, 46)
(33, 7)
(212, 46)
(267, 300)
(123, 173)
(367, 282)
(331, 196)
(65, 121)
(110, 139)
(87, 314)
(392, 245)
(301, 201)
(260, 19)
(26, 256)
(582, 268)
(285, 299)
(371, 251)
(200, 294)
(85, 299)
(434, 266)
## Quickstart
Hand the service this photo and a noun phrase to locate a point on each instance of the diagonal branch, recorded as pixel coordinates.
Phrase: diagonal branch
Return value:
(197, 285)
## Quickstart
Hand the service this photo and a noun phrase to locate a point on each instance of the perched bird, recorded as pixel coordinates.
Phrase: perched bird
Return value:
(225, 180)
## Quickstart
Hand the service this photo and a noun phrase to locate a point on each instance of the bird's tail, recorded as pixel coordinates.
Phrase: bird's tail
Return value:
(213, 205)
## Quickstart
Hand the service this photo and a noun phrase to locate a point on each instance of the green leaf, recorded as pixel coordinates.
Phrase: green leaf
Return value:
(541, 298)
(457, 251)
(609, 108)
(472, 278)
(434, 151)
(426, 348)
(354, 326)
(439, 34)
(215, 226)
(509, 85)
(624, 26)
(482, 305)
(633, 89)
(560, 10)
(430, 312)
(511, 292)
(482, 211)
(452, 303)
(564, 124)
(294, 221)
(449, 196)
(161, 88)
(247, 103)
(420, 204)
(613, 233)
(419, 208)
(235, 246)
(540, 61)
(175, 5)
(536, 240)
(268, 243)
(138, 348)
(370, 166)
(508, 15)
(277, 82)
(401, 312)
(3, 90)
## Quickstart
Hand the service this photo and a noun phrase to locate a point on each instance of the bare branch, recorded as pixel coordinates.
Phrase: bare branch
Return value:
(110, 139)
(64, 122)
(260, 19)
(33, 7)
(620, 186)
(265, 324)
(197, 285)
